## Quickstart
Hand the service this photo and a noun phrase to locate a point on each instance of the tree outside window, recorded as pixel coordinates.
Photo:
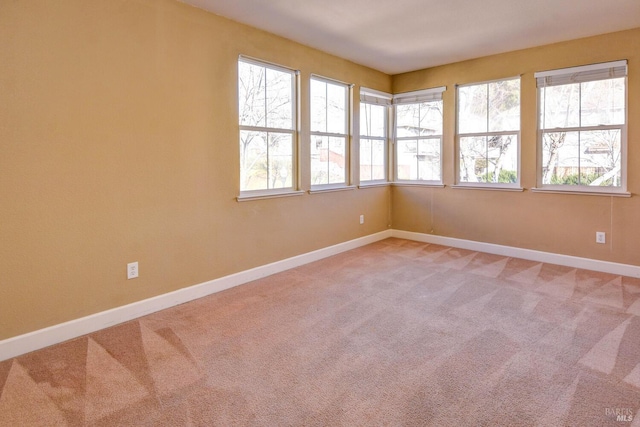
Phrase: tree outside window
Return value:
(488, 132)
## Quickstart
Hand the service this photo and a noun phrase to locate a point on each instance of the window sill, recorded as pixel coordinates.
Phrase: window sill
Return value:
(267, 195)
(329, 189)
(582, 193)
(488, 187)
(416, 184)
(374, 184)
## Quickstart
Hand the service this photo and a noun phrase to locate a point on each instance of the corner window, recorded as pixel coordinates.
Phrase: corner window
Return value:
(267, 117)
(329, 132)
(489, 133)
(582, 126)
(418, 136)
(374, 117)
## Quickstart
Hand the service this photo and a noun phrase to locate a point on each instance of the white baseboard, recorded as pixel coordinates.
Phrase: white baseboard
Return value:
(36, 340)
(532, 255)
(41, 338)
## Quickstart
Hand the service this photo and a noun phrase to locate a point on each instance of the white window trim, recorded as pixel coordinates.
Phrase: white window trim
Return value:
(347, 136)
(267, 194)
(580, 74)
(376, 97)
(328, 188)
(416, 184)
(371, 184)
(516, 186)
(415, 97)
(494, 187)
(246, 195)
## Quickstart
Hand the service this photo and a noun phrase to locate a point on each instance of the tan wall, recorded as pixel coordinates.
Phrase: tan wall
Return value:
(119, 143)
(558, 223)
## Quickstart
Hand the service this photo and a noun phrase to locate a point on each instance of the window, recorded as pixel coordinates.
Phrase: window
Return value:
(418, 136)
(267, 116)
(488, 133)
(374, 116)
(582, 126)
(329, 135)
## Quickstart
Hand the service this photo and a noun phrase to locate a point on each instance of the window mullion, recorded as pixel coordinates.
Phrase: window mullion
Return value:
(266, 124)
(268, 163)
(580, 134)
(486, 138)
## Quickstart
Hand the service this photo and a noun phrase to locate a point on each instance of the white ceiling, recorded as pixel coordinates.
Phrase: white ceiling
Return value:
(396, 36)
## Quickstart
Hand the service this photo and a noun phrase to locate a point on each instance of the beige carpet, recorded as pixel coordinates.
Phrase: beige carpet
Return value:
(394, 333)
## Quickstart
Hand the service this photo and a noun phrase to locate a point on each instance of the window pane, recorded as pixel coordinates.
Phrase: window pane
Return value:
(327, 160)
(429, 159)
(431, 118)
(473, 158)
(378, 164)
(280, 160)
(600, 162)
(407, 159)
(420, 119)
(318, 106)
(366, 161)
(472, 108)
(603, 103)
(251, 94)
(372, 119)
(319, 147)
(582, 158)
(502, 160)
(408, 120)
(336, 108)
(265, 166)
(279, 103)
(336, 158)
(253, 161)
(560, 106)
(561, 158)
(504, 105)
(372, 159)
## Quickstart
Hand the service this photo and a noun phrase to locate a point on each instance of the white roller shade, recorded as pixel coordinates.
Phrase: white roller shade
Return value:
(372, 96)
(586, 73)
(425, 95)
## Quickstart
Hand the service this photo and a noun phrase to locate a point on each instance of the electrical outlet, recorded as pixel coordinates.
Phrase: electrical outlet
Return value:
(132, 270)
(361, 219)
(601, 237)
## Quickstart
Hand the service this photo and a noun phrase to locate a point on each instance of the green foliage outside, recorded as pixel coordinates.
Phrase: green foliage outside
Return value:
(505, 177)
(580, 179)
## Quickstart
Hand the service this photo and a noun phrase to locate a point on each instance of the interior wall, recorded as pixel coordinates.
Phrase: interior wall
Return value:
(557, 223)
(119, 143)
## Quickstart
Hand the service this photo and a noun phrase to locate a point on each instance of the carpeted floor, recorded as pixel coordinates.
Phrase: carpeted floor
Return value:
(393, 333)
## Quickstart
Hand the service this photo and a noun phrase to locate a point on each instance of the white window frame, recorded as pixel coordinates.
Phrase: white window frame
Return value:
(583, 74)
(347, 135)
(416, 97)
(375, 97)
(294, 132)
(488, 185)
